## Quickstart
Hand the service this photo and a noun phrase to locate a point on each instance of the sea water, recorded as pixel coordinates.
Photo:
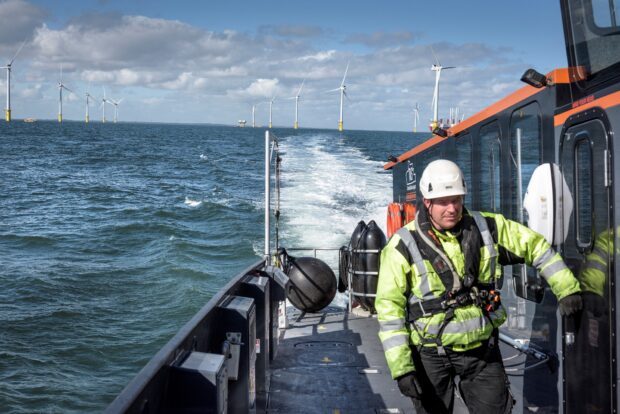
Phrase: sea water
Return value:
(113, 235)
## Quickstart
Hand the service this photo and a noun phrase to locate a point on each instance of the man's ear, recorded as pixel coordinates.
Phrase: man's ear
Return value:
(426, 202)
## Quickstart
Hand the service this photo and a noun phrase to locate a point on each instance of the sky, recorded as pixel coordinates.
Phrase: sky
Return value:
(211, 61)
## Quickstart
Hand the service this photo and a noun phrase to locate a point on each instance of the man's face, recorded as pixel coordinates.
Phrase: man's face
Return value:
(445, 212)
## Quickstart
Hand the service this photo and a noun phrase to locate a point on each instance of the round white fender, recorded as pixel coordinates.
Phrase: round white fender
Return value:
(549, 203)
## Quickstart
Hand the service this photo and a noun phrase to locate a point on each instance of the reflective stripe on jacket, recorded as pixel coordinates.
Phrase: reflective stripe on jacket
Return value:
(514, 243)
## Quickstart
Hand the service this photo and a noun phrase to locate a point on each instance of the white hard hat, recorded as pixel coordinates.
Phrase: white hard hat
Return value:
(442, 178)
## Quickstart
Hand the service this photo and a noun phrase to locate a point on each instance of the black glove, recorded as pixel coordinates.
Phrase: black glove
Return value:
(409, 385)
(570, 304)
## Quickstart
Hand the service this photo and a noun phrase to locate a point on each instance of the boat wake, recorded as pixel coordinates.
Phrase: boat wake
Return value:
(327, 188)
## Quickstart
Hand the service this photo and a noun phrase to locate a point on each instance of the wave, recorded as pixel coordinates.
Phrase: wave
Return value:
(28, 241)
(330, 188)
(192, 203)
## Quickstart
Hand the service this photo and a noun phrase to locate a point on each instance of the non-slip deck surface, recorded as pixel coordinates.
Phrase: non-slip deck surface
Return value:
(332, 362)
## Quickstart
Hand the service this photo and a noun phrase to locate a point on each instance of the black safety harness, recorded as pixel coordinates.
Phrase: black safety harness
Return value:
(423, 244)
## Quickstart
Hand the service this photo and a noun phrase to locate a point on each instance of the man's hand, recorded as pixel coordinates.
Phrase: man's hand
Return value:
(409, 385)
(570, 304)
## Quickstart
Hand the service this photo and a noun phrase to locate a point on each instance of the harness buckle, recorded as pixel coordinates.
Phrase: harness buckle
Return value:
(424, 313)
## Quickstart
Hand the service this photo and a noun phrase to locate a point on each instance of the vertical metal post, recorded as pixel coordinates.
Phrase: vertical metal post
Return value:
(519, 177)
(267, 197)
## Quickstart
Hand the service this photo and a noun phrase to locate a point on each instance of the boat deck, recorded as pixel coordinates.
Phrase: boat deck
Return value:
(333, 362)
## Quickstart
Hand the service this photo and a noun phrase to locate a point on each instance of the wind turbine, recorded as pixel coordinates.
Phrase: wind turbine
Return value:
(296, 97)
(88, 97)
(416, 117)
(254, 114)
(270, 106)
(7, 110)
(437, 68)
(103, 102)
(115, 103)
(61, 86)
(343, 93)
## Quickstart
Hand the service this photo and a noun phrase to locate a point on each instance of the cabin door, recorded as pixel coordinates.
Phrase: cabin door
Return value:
(585, 158)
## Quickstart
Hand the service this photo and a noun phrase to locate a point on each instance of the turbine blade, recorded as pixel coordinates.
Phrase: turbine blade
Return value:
(301, 87)
(347, 96)
(345, 74)
(435, 56)
(332, 90)
(17, 53)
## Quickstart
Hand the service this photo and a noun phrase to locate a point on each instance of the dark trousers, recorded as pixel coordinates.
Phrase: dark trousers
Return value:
(483, 383)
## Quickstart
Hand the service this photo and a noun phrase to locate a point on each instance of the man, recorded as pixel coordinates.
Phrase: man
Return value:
(437, 304)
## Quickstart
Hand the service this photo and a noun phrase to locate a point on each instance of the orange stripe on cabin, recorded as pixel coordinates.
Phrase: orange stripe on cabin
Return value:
(563, 75)
(499, 106)
(435, 139)
(604, 102)
(566, 75)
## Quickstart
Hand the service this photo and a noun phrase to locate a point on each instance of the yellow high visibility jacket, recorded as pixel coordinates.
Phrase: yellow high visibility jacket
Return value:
(404, 283)
(593, 273)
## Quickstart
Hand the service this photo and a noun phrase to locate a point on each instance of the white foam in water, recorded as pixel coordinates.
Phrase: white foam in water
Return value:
(327, 188)
(192, 203)
(203, 157)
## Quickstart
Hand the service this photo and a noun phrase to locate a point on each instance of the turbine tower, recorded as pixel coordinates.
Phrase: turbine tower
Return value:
(103, 102)
(115, 103)
(254, 114)
(342, 88)
(7, 110)
(437, 68)
(416, 117)
(270, 106)
(296, 97)
(61, 86)
(88, 98)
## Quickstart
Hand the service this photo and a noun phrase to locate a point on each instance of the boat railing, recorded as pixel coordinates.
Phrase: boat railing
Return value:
(214, 338)
(314, 250)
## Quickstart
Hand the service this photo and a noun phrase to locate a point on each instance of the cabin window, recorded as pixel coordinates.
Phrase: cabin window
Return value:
(463, 160)
(583, 200)
(605, 13)
(525, 155)
(490, 160)
(595, 30)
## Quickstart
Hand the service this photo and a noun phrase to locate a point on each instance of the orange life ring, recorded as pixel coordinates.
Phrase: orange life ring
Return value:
(408, 212)
(394, 218)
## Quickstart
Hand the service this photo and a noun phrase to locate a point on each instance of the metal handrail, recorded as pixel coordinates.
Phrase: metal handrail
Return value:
(313, 249)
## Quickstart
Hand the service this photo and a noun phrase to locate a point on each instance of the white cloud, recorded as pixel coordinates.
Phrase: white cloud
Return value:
(34, 91)
(263, 88)
(148, 57)
(320, 56)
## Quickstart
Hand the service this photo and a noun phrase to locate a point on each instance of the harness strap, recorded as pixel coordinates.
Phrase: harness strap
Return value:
(412, 247)
(448, 305)
(487, 239)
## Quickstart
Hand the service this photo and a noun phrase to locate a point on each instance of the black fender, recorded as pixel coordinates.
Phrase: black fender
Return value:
(365, 262)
